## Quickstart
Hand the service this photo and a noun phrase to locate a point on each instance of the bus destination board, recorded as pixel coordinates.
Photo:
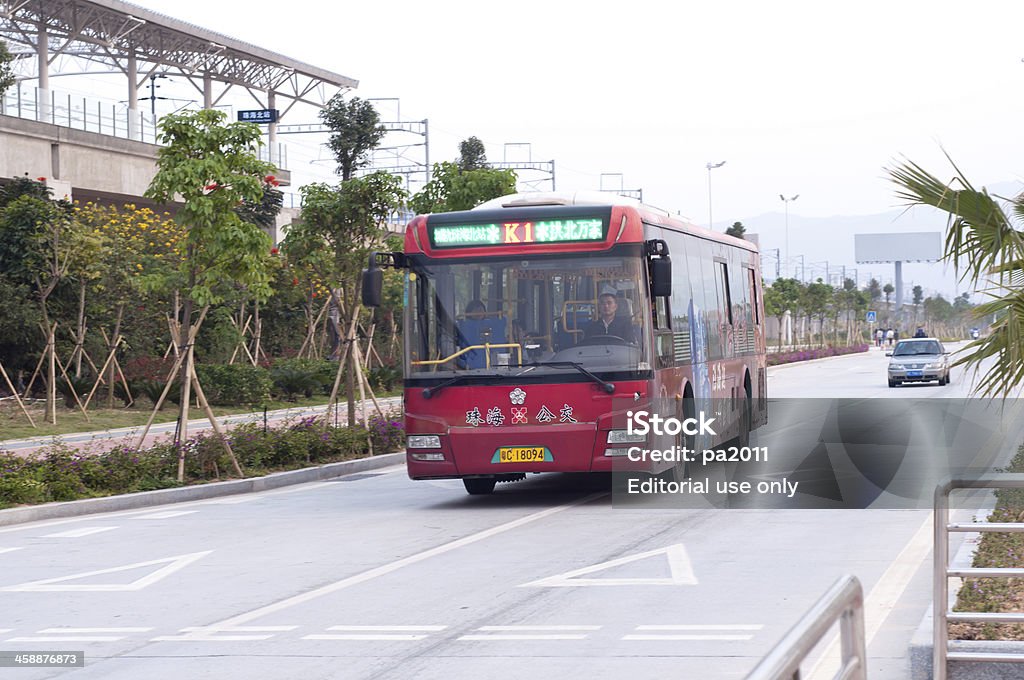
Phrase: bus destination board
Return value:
(517, 233)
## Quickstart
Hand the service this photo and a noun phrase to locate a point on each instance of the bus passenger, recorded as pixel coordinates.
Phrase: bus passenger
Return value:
(607, 322)
(476, 329)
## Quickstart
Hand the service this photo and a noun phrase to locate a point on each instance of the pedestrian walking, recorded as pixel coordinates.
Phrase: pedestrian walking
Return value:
(889, 335)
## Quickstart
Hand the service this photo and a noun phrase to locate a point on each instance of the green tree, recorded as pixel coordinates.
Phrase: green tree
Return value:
(888, 289)
(340, 227)
(472, 155)
(781, 297)
(985, 244)
(874, 290)
(918, 293)
(737, 229)
(213, 167)
(355, 131)
(6, 74)
(450, 189)
(817, 297)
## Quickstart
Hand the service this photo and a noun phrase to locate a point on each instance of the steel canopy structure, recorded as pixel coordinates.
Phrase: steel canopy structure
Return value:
(81, 34)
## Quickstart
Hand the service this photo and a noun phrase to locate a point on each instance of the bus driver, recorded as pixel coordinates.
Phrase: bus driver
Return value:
(607, 322)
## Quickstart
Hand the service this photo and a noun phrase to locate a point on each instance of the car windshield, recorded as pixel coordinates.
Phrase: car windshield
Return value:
(907, 349)
(538, 314)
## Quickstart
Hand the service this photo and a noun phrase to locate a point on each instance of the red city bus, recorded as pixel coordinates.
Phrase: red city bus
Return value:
(536, 320)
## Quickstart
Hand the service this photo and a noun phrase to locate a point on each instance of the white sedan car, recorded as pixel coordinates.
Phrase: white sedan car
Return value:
(918, 360)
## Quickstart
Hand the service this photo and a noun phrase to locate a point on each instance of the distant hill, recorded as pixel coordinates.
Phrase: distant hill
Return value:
(831, 238)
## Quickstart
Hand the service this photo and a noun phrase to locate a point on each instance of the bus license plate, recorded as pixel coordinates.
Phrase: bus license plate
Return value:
(521, 454)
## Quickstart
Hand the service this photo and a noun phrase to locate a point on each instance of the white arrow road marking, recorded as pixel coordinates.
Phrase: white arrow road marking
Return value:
(176, 563)
(678, 562)
(79, 533)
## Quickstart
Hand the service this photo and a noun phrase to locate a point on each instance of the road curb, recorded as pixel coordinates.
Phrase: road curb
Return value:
(197, 492)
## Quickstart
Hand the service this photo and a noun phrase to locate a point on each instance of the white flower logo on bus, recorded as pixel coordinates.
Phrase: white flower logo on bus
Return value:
(518, 396)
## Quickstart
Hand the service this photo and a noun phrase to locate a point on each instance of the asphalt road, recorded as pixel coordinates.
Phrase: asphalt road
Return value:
(376, 576)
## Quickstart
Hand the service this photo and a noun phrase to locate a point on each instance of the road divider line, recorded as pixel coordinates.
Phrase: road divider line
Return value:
(391, 567)
(691, 637)
(422, 629)
(700, 626)
(7, 550)
(94, 630)
(367, 637)
(67, 638)
(537, 628)
(190, 637)
(525, 636)
(166, 515)
(238, 629)
(80, 533)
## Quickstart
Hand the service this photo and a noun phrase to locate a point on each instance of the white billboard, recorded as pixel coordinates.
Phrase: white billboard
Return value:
(921, 246)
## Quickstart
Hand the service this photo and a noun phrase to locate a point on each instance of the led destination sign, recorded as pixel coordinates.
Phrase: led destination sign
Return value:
(511, 233)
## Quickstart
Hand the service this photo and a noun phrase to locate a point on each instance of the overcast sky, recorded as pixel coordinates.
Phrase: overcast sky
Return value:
(798, 97)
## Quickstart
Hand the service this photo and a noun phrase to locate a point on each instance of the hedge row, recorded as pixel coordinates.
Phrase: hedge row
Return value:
(817, 353)
(61, 473)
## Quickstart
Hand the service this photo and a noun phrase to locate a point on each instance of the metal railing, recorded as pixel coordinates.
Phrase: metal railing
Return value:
(100, 116)
(78, 112)
(844, 602)
(942, 573)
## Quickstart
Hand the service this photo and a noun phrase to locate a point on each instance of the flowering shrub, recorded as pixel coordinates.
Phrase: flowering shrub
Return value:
(816, 353)
(387, 433)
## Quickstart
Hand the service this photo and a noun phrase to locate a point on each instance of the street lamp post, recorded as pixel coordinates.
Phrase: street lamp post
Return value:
(786, 202)
(710, 167)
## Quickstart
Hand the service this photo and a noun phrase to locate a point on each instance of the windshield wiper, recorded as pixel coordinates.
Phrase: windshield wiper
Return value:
(606, 386)
(431, 391)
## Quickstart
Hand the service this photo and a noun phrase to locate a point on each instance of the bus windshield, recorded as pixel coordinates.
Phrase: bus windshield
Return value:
(538, 314)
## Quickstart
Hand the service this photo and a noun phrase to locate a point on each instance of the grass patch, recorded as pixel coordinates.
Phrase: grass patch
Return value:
(14, 425)
(996, 550)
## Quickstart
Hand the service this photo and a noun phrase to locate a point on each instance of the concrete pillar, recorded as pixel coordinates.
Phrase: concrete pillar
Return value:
(207, 91)
(43, 108)
(272, 128)
(134, 124)
(899, 288)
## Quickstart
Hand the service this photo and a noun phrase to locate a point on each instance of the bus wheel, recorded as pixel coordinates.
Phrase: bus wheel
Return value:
(479, 486)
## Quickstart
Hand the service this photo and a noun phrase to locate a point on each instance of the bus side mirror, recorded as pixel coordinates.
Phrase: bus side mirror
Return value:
(661, 276)
(373, 283)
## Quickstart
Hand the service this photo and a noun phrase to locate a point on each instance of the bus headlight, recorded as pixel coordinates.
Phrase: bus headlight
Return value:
(624, 437)
(423, 441)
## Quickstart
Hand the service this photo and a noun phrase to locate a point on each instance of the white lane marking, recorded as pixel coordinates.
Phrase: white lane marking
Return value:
(6, 630)
(699, 626)
(176, 563)
(239, 629)
(678, 562)
(399, 564)
(369, 637)
(195, 637)
(718, 637)
(425, 629)
(68, 638)
(525, 636)
(537, 628)
(94, 630)
(883, 597)
(79, 533)
(7, 550)
(166, 515)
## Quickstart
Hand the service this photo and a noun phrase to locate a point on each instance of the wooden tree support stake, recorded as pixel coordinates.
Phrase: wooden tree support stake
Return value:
(10, 386)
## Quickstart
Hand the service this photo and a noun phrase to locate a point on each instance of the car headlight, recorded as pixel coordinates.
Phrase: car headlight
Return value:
(423, 441)
(937, 364)
(624, 437)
